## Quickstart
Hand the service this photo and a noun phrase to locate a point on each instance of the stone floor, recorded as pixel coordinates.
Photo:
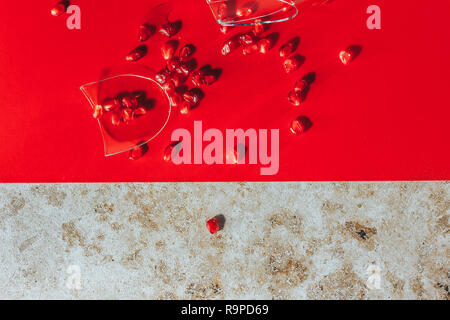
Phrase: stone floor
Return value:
(384, 240)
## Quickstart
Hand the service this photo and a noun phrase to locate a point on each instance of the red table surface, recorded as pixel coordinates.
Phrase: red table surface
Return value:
(384, 117)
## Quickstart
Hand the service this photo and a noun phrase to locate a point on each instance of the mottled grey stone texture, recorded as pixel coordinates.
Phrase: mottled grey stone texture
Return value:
(281, 240)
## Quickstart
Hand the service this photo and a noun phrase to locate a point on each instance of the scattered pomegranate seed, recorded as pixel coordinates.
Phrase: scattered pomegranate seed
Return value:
(175, 99)
(173, 64)
(185, 107)
(295, 98)
(168, 49)
(345, 56)
(250, 49)
(169, 86)
(225, 29)
(137, 53)
(170, 149)
(246, 10)
(291, 64)
(215, 224)
(229, 46)
(301, 85)
(116, 117)
(209, 79)
(110, 104)
(138, 152)
(246, 39)
(146, 31)
(288, 48)
(129, 101)
(139, 111)
(192, 96)
(187, 67)
(163, 76)
(127, 114)
(98, 111)
(300, 125)
(169, 29)
(186, 52)
(222, 11)
(178, 79)
(259, 28)
(265, 45)
(59, 9)
(197, 78)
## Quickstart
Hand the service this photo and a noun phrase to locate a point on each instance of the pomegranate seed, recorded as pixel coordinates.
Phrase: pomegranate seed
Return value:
(139, 111)
(127, 114)
(246, 10)
(288, 48)
(300, 125)
(163, 76)
(264, 45)
(178, 79)
(59, 9)
(186, 52)
(259, 28)
(192, 97)
(247, 39)
(129, 101)
(169, 29)
(250, 49)
(291, 64)
(225, 29)
(168, 49)
(209, 79)
(175, 99)
(116, 117)
(170, 149)
(345, 56)
(138, 152)
(146, 31)
(229, 46)
(197, 78)
(137, 53)
(185, 107)
(173, 64)
(301, 85)
(187, 67)
(294, 97)
(98, 111)
(110, 104)
(169, 87)
(215, 224)
(222, 11)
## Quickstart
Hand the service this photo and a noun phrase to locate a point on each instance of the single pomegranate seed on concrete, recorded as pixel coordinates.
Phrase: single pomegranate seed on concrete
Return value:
(295, 98)
(110, 104)
(137, 53)
(345, 56)
(300, 125)
(291, 64)
(250, 49)
(265, 45)
(185, 107)
(59, 9)
(168, 49)
(229, 46)
(246, 10)
(138, 152)
(246, 39)
(186, 52)
(146, 31)
(98, 111)
(288, 48)
(215, 224)
(192, 96)
(175, 99)
(139, 111)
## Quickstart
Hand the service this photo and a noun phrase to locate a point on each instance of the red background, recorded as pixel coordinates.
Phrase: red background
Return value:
(384, 117)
